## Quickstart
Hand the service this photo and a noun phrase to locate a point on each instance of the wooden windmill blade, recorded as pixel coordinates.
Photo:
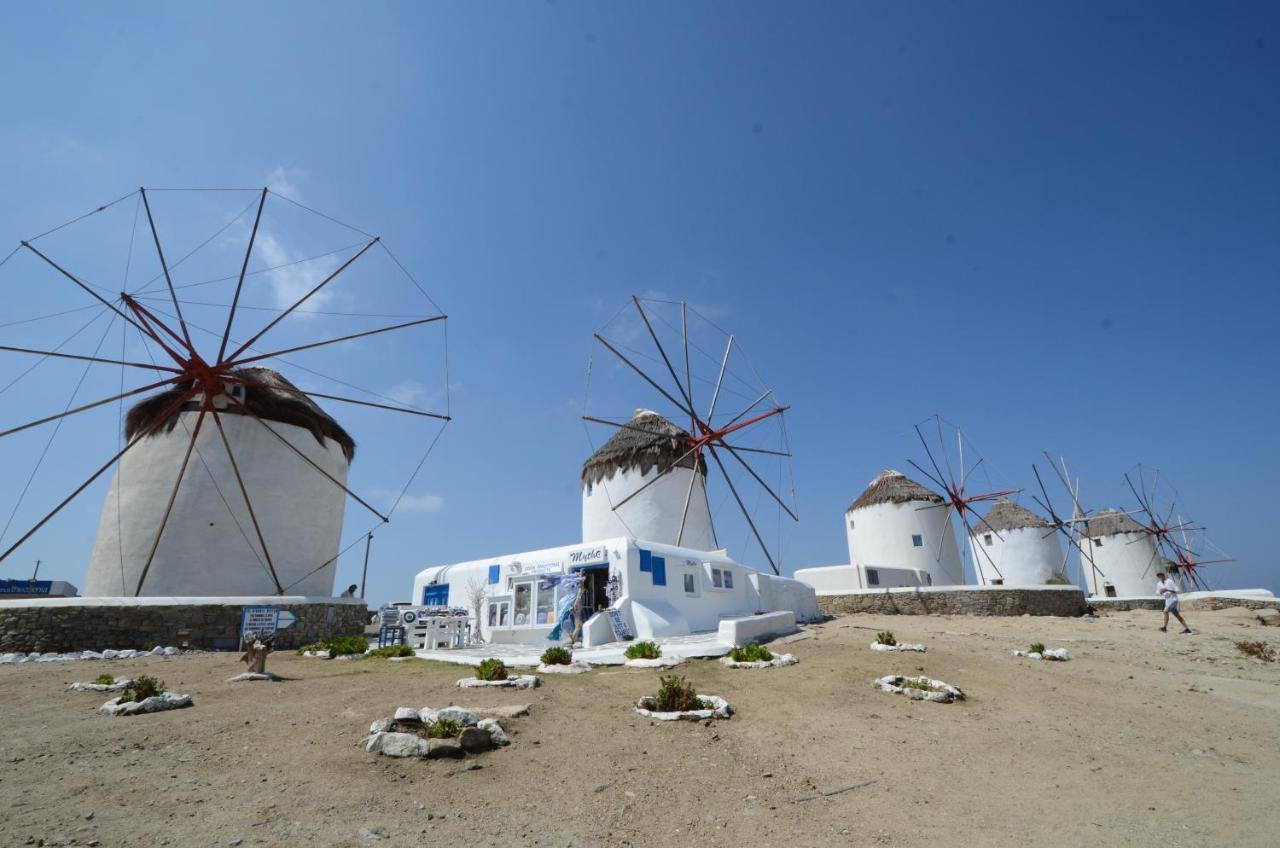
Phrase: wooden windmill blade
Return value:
(198, 373)
(676, 379)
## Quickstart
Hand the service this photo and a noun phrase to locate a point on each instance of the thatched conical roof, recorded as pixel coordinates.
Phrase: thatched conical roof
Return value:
(281, 404)
(646, 441)
(1007, 515)
(893, 487)
(1109, 522)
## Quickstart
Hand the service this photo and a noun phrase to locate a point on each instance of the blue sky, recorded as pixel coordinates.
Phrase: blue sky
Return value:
(1053, 224)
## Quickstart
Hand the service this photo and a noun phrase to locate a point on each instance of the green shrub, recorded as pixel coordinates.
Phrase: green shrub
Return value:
(1036, 648)
(338, 645)
(392, 651)
(675, 694)
(915, 683)
(444, 728)
(143, 687)
(150, 646)
(885, 637)
(104, 680)
(1257, 650)
(492, 669)
(751, 652)
(643, 651)
(1057, 581)
(556, 656)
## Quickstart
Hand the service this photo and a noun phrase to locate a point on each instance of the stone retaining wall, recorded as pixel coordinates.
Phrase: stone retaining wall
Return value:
(1190, 604)
(78, 624)
(969, 600)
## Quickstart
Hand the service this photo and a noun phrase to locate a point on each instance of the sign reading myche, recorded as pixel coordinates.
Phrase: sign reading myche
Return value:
(589, 556)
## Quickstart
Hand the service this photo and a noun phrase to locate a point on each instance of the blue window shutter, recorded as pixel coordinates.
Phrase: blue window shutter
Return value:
(659, 571)
(646, 560)
(494, 572)
(436, 596)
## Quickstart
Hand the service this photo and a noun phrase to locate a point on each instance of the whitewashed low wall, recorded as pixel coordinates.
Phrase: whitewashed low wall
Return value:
(756, 628)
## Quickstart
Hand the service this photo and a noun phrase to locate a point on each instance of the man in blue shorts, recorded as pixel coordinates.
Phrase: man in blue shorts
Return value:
(1168, 590)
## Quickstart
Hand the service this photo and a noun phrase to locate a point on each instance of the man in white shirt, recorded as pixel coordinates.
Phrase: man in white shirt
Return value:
(1167, 589)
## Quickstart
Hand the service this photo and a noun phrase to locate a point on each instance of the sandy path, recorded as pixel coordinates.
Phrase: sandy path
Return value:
(1143, 739)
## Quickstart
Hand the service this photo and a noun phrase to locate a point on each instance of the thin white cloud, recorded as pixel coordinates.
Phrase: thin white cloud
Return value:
(286, 181)
(421, 503)
(408, 392)
(288, 284)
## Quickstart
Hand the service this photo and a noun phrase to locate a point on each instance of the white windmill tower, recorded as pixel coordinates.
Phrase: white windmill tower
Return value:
(646, 473)
(892, 524)
(1022, 545)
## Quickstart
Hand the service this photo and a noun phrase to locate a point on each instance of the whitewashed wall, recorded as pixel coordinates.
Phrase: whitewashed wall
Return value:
(1127, 561)
(1026, 556)
(653, 611)
(880, 536)
(202, 552)
(839, 579)
(654, 514)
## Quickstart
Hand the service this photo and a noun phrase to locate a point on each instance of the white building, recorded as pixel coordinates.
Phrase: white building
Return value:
(634, 588)
(643, 449)
(898, 535)
(209, 546)
(1021, 545)
(637, 583)
(1123, 554)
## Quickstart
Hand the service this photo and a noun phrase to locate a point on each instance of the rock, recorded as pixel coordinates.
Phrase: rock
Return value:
(527, 681)
(660, 662)
(576, 667)
(170, 651)
(154, 704)
(407, 715)
(382, 725)
(401, 745)
(426, 715)
(439, 749)
(374, 743)
(475, 739)
(109, 654)
(507, 711)
(373, 833)
(496, 734)
(466, 718)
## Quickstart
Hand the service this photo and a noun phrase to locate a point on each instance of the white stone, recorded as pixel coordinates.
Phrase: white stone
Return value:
(720, 709)
(571, 668)
(154, 704)
(406, 714)
(495, 731)
(399, 745)
(1058, 654)
(109, 654)
(876, 646)
(382, 725)
(660, 662)
(777, 661)
(940, 691)
(466, 718)
(120, 684)
(250, 676)
(527, 681)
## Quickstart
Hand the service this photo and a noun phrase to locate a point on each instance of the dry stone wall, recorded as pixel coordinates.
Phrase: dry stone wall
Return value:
(1063, 601)
(95, 625)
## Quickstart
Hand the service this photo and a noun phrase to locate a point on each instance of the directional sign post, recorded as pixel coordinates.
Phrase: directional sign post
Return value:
(285, 620)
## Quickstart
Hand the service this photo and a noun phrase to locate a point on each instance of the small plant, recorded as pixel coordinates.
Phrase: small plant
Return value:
(492, 669)
(1257, 650)
(392, 651)
(143, 687)
(150, 646)
(675, 694)
(751, 652)
(643, 651)
(338, 646)
(886, 637)
(556, 656)
(104, 680)
(443, 728)
(914, 683)
(1036, 648)
(1057, 581)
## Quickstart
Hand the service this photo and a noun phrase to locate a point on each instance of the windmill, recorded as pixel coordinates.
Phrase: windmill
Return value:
(216, 433)
(673, 353)
(1176, 541)
(956, 498)
(1072, 528)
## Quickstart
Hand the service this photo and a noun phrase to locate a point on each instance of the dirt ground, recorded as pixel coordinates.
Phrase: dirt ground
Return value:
(1143, 739)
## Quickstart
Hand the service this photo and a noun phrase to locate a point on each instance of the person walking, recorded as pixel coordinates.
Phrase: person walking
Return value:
(1167, 589)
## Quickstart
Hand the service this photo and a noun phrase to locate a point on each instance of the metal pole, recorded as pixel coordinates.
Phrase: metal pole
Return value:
(364, 573)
